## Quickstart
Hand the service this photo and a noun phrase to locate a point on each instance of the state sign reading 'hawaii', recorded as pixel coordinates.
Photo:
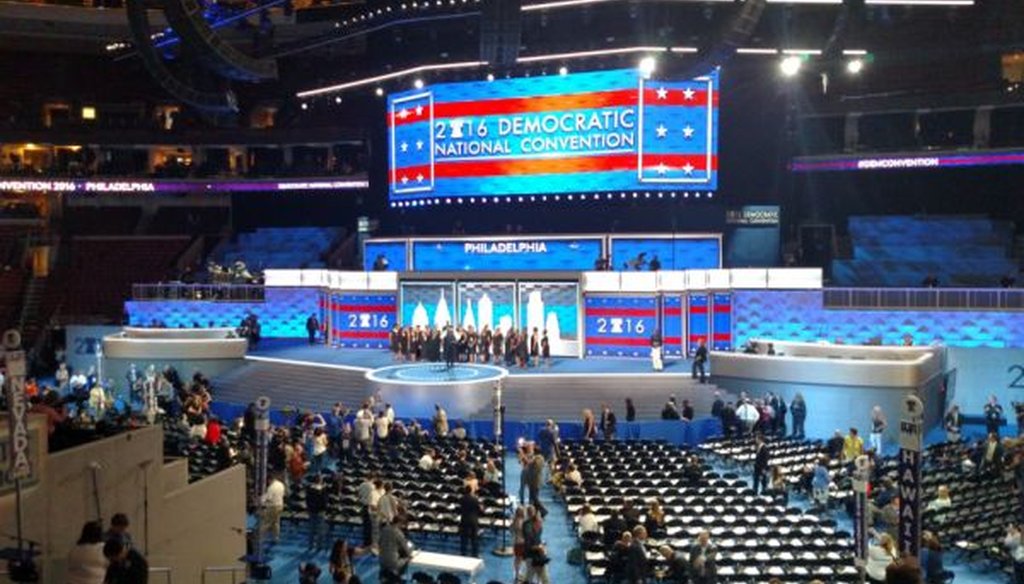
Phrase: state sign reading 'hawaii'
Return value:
(604, 131)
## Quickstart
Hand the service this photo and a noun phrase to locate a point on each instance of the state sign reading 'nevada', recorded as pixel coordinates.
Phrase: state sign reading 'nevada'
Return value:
(605, 131)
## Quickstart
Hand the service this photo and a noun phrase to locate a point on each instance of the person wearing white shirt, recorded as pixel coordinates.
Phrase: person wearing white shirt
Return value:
(390, 413)
(86, 562)
(748, 416)
(382, 424)
(940, 503)
(362, 430)
(427, 461)
(1014, 543)
(61, 377)
(587, 522)
(880, 556)
(273, 505)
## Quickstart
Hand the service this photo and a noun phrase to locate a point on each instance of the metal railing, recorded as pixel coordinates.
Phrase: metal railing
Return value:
(234, 570)
(188, 292)
(925, 298)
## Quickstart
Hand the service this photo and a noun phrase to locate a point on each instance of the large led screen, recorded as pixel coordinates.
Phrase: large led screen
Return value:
(586, 132)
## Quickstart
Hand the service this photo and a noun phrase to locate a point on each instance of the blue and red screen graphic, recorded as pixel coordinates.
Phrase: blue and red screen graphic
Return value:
(620, 326)
(586, 132)
(363, 320)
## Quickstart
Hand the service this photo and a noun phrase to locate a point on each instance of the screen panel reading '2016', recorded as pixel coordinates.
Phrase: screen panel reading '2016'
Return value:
(585, 132)
(620, 326)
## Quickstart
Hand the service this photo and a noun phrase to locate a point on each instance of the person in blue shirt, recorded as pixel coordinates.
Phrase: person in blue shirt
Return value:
(931, 559)
(820, 481)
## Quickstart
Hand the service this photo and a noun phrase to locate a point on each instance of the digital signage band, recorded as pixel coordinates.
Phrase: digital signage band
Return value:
(598, 131)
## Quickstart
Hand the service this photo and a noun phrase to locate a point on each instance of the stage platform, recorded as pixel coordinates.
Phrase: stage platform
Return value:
(296, 374)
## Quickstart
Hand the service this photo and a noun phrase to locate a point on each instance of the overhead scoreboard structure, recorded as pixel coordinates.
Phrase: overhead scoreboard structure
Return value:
(594, 132)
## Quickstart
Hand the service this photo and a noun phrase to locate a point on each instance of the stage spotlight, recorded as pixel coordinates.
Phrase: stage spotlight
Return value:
(418, 84)
(854, 66)
(563, 70)
(337, 99)
(379, 91)
(304, 106)
(490, 76)
(790, 65)
(647, 66)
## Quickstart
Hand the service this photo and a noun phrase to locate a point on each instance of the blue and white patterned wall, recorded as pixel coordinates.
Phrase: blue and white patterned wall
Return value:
(282, 315)
(801, 316)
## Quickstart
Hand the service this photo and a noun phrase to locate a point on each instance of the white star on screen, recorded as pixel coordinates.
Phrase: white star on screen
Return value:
(419, 110)
(662, 169)
(661, 130)
(405, 179)
(662, 93)
(688, 132)
(419, 178)
(688, 168)
(404, 113)
(419, 144)
(405, 147)
(688, 93)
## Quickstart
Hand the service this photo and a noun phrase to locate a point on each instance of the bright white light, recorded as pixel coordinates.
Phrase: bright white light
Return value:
(418, 84)
(854, 66)
(388, 76)
(563, 71)
(790, 66)
(755, 51)
(337, 99)
(305, 106)
(379, 91)
(490, 76)
(647, 66)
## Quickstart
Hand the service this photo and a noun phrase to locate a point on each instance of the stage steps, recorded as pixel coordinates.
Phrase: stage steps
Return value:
(312, 387)
(563, 397)
(527, 397)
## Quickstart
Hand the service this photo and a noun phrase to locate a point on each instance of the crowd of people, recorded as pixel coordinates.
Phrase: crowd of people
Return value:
(514, 347)
(106, 557)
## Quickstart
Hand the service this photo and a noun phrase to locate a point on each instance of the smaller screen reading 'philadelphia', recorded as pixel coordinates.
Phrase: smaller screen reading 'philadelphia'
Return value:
(604, 131)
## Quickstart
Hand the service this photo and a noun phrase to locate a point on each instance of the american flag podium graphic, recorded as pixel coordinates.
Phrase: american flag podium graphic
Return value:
(412, 143)
(676, 125)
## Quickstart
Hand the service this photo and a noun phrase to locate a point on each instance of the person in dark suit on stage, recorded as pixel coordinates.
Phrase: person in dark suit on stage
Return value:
(498, 345)
(700, 357)
(534, 348)
(993, 415)
(450, 352)
(312, 327)
(761, 455)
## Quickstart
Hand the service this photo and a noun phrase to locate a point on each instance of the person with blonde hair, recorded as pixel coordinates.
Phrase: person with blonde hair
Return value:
(589, 425)
(880, 557)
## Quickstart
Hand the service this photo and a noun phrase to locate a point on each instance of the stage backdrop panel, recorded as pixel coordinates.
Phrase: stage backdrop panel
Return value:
(363, 320)
(793, 315)
(979, 372)
(282, 314)
(552, 306)
(672, 326)
(491, 304)
(393, 252)
(620, 326)
(698, 321)
(428, 304)
(506, 254)
(600, 131)
(636, 253)
(721, 321)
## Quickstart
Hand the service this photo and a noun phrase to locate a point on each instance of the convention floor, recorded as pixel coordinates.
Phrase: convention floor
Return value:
(297, 350)
(558, 534)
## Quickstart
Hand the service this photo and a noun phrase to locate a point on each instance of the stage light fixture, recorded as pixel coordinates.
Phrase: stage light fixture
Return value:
(418, 84)
(563, 71)
(337, 99)
(490, 76)
(647, 66)
(379, 91)
(790, 65)
(304, 106)
(854, 66)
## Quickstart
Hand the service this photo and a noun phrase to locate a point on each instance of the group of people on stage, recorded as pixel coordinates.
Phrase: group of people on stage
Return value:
(516, 347)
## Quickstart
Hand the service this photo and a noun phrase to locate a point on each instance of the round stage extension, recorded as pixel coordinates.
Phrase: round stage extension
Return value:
(465, 390)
